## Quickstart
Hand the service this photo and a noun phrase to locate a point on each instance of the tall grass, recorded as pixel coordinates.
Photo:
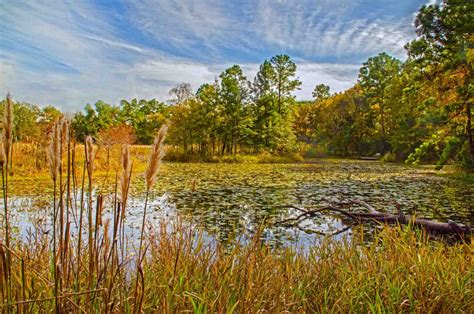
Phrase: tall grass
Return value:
(180, 269)
(399, 272)
(6, 150)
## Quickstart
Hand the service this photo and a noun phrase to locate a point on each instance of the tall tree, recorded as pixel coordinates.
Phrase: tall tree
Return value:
(263, 104)
(233, 94)
(285, 83)
(375, 76)
(446, 46)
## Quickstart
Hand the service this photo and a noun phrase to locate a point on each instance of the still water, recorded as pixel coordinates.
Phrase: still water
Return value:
(228, 200)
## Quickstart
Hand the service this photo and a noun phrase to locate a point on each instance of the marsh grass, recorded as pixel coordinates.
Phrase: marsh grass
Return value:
(178, 268)
(400, 271)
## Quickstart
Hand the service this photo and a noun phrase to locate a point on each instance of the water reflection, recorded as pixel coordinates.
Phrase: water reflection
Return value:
(230, 200)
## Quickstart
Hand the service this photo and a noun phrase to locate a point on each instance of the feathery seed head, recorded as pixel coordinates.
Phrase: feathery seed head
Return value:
(125, 174)
(2, 154)
(7, 127)
(65, 130)
(90, 154)
(156, 155)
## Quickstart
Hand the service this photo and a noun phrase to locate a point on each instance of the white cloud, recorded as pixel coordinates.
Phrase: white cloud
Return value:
(325, 32)
(337, 76)
(68, 54)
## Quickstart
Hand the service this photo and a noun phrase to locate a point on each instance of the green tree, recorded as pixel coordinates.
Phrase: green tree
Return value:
(445, 48)
(101, 116)
(145, 116)
(320, 92)
(374, 77)
(233, 95)
(284, 82)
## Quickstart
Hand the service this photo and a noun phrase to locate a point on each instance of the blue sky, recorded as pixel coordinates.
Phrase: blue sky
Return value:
(69, 53)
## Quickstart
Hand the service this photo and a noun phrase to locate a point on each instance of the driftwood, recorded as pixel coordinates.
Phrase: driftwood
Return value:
(372, 214)
(368, 158)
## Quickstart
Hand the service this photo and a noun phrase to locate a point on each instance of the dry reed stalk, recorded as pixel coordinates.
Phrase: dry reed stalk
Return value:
(7, 141)
(79, 233)
(125, 174)
(125, 179)
(8, 129)
(98, 224)
(54, 156)
(54, 153)
(66, 134)
(64, 138)
(3, 272)
(4, 190)
(90, 156)
(154, 163)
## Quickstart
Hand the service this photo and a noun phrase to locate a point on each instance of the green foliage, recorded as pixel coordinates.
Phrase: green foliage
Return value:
(320, 92)
(416, 111)
(232, 115)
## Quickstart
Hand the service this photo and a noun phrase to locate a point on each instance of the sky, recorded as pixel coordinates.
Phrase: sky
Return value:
(74, 52)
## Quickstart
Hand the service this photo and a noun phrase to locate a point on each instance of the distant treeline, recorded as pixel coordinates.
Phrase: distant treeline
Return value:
(415, 110)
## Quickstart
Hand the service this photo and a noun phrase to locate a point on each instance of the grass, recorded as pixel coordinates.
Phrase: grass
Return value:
(179, 269)
(32, 160)
(400, 271)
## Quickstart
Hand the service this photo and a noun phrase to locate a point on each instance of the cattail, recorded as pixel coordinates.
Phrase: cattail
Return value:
(7, 128)
(54, 152)
(126, 174)
(157, 153)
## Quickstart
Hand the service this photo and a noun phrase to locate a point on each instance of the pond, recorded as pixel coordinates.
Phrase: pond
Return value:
(228, 200)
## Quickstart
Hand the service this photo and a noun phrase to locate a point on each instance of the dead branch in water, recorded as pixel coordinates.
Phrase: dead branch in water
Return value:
(372, 214)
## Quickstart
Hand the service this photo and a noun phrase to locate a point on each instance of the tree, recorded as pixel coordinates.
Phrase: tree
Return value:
(233, 95)
(374, 77)
(272, 129)
(181, 92)
(285, 70)
(145, 116)
(320, 92)
(264, 80)
(101, 116)
(446, 47)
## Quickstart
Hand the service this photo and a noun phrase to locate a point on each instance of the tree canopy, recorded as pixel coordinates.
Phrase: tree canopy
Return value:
(417, 110)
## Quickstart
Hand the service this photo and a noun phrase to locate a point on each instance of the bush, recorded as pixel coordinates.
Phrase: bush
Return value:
(315, 152)
(389, 157)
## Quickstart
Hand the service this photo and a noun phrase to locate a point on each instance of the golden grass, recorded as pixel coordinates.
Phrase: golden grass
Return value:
(398, 272)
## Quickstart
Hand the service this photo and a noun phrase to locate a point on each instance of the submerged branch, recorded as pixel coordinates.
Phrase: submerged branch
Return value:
(372, 214)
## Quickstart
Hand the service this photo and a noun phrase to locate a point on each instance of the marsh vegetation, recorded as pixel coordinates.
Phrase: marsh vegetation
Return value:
(100, 212)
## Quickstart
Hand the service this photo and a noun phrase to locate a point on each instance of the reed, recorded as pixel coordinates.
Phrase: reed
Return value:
(5, 156)
(398, 271)
(54, 157)
(90, 156)
(154, 162)
(125, 174)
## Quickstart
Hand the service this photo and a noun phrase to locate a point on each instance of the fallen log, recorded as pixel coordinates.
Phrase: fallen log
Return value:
(368, 158)
(372, 214)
